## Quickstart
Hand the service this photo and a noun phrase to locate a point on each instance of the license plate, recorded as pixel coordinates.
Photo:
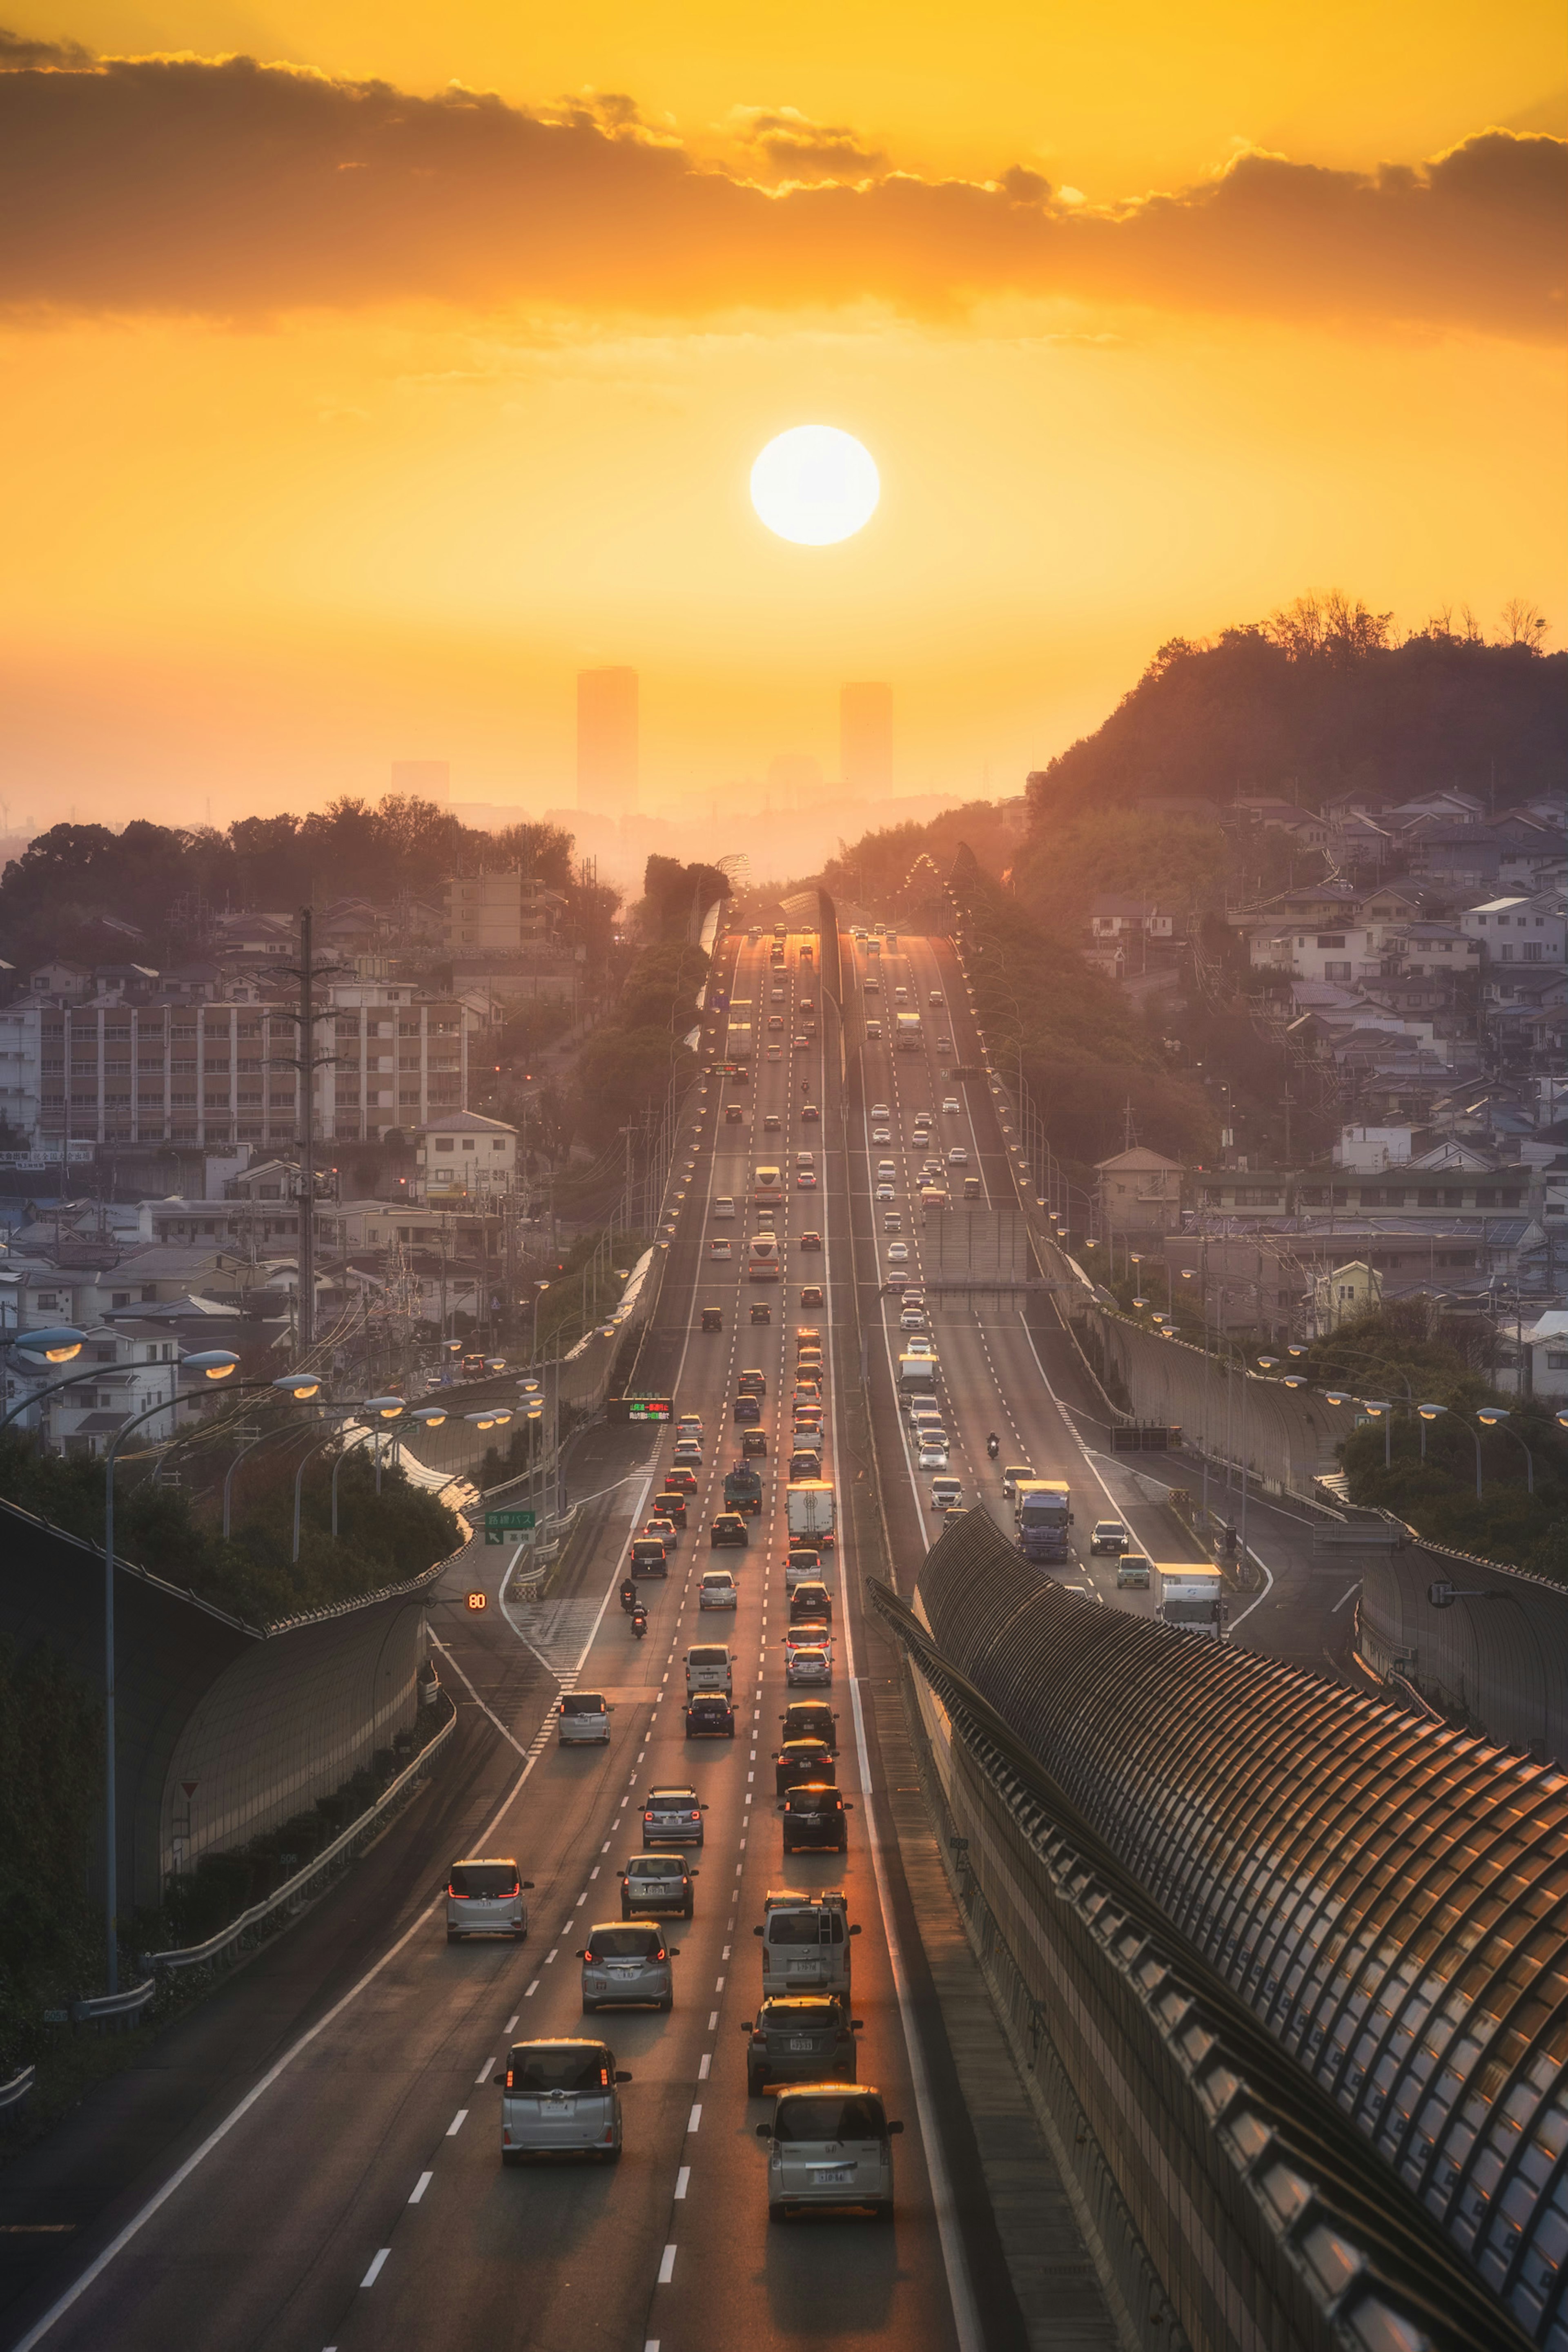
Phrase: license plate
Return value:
(833, 2178)
(801, 2048)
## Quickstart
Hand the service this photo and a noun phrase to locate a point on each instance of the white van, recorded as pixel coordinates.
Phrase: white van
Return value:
(805, 1942)
(584, 1718)
(724, 1204)
(709, 1667)
(485, 1898)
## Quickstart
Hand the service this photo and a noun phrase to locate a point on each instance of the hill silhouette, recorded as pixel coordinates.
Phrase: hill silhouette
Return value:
(1321, 699)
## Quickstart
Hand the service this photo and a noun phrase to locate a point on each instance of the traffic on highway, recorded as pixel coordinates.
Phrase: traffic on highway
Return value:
(639, 2061)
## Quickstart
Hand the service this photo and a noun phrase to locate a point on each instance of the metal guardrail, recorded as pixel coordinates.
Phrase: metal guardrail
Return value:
(115, 2008)
(13, 2093)
(194, 1956)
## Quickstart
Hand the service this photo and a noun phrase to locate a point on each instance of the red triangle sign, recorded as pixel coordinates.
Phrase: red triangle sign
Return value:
(190, 1786)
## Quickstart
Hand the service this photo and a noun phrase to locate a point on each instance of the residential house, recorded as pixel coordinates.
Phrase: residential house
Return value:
(1114, 919)
(1138, 1192)
(1546, 1342)
(1517, 929)
(468, 1157)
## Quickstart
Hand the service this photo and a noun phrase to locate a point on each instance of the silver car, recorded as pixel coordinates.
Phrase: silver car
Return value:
(828, 2145)
(630, 1963)
(673, 1816)
(803, 2038)
(485, 1898)
(561, 2098)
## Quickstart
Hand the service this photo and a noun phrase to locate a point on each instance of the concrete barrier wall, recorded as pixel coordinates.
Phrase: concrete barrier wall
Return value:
(1498, 1656)
(264, 1723)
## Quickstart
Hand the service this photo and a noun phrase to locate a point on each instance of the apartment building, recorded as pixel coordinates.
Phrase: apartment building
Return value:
(221, 1074)
(1518, 931)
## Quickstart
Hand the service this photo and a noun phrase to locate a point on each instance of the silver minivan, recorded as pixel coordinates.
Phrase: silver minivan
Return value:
(485, 1898)
(561, 2098)
(584, 1718)
(828, 2145)
(629, 1963)
(709, 1667)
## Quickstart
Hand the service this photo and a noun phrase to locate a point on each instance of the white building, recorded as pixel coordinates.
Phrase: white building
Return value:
(1517, 930)
(467, 1157)
(1547, 1341)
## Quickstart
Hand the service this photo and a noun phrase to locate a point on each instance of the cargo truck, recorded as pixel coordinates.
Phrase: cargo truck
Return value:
(1189, 1596)
(812, 1511)
(1043, 1509)
(743, 1490)
(917, 1373)
(907, 1032)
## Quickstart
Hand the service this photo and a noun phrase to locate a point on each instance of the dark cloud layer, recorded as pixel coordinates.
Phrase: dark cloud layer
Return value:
(237, 189)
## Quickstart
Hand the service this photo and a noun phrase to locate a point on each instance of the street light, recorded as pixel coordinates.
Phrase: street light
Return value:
(1497, 1416)
(1429, 1413)
(55, 1343)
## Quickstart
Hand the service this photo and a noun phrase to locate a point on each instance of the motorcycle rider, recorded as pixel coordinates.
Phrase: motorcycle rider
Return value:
(628, 1595)
(638, 1621)
(993, 1445)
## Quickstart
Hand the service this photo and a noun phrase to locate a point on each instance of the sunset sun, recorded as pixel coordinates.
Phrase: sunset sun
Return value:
(815, 485)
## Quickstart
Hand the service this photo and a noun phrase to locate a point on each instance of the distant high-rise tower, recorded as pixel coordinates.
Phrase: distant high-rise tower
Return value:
(865, 738)
(423, 780)
(607, 742)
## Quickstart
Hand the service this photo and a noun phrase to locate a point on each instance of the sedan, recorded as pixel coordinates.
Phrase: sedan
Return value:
(772, 1124)
(810, 1241)
(898, 1252)
(1109, 1535)
(933, 1457)
(912, 1320)
(957, 1157)
(621, 1965)
(801, 1042)
(944, 1045)
(885, 1192)
(717, 1590)
(775, 1020)
(806, 1181)
(951, 1106)
(882, 1135)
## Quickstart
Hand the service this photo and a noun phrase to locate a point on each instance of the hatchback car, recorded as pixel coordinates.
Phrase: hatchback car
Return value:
(627, 1963)
(709, 1715)
(799, 2038)
(671, 1503)
(656, 1882)
(689, 1450)
(762, 1312)
(717, 1590)
(830, 2145)
(772, 1124)
(720, 1250)
(734, 1116)
(561, 2098)
(814, 1819)
(747, 1412)
(812, 1295)
(932, 1456)
(485, 1898)
(811, 1114)
(753, 1444)
(1133, 1568)
(802, 1759)
(807, 1665)
(680, 1478)
(1109, 1535)
(666, 1531)
(730, 1527)
(810, 1241)
(752, 1382)
(672, 1817)
(957, 1157)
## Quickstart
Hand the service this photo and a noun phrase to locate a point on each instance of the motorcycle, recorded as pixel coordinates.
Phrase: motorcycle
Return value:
(993, 1445)
(629, 1596)
(639, 1624)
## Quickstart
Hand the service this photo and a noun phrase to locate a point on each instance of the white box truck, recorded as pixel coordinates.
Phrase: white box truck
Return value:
(812, 1512)
(1189, 1596)
(917, 1373)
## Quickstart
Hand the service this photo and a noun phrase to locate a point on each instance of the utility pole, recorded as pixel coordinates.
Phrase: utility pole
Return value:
(306, 1136)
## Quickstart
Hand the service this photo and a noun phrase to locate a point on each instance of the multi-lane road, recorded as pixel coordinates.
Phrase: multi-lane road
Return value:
(334, 2177)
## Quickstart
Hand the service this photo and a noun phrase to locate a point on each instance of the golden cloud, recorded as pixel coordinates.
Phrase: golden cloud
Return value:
(233, 188)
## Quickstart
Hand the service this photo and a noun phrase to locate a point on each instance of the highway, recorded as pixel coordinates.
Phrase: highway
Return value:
(335, 2180)
(351, 2194)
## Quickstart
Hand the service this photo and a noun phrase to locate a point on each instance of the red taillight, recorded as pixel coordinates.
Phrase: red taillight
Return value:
(452, 1894)
(647, 1817)
(661, 1954)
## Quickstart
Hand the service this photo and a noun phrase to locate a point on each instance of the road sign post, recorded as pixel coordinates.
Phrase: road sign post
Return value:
(499, 1524)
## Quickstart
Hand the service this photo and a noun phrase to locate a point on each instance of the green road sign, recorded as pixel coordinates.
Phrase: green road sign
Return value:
(499, 1524)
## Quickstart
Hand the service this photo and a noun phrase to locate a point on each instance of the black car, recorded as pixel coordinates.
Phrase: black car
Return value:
(803, 1465)
(734, 1116)
(811, 1598)
(814, 1819)
(810, 1718)
(799, 2038)
(761, 1311)
(713, 1319)
(709, 1715)
(752, 1383)
(812, 1295)
(802, 1759)
(754, 1444)
(728, 1528)
(648, 1557)
(747, 1412)
(672, 1506)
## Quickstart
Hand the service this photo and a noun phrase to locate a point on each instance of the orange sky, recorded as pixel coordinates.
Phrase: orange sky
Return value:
(350, 412)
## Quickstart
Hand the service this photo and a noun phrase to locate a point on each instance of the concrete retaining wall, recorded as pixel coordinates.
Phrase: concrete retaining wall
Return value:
(1497, 1656)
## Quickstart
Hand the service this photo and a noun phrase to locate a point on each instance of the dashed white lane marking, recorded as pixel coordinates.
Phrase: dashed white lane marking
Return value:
(485, 2071)
(420, 2186)
(376, 2268)
(682, 2180)
(511, 2024)
(455, 2126)
(705, 2063)
(694, 2119)
(667, 2266)
(528, 1996)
